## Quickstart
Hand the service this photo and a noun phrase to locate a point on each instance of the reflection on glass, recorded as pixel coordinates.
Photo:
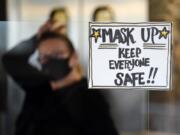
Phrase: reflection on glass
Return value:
(59, 17)
(103, 14)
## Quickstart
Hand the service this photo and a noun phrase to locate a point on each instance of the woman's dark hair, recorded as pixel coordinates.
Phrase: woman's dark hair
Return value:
(56, 10)
(101, 8)
(53, 35)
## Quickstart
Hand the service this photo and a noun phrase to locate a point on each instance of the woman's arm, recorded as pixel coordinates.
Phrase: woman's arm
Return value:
(16, 64)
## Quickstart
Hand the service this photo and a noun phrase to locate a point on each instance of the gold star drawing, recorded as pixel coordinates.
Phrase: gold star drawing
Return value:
(96, 34)
(163, 33)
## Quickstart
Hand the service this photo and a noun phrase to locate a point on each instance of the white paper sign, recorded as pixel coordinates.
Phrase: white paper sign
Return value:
(130, 55)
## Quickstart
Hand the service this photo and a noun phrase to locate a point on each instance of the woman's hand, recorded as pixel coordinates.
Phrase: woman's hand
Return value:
(74, 76)
(44, 28)
(53, 27)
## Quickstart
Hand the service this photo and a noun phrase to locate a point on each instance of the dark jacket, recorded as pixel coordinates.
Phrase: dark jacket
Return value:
(72, 110)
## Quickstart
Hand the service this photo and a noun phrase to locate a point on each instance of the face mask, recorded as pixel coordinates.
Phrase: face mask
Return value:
(56, 68)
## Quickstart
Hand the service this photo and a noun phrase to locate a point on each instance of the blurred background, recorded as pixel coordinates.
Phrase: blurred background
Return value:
(134, 112)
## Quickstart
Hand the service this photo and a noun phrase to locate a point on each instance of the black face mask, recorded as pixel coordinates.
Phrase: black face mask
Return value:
(56, 68)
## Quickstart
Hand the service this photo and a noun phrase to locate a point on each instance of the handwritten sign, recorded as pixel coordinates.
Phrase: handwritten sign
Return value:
(130, 55)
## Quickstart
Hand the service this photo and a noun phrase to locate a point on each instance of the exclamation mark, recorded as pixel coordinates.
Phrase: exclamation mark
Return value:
(154, 74)
(150, 73)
